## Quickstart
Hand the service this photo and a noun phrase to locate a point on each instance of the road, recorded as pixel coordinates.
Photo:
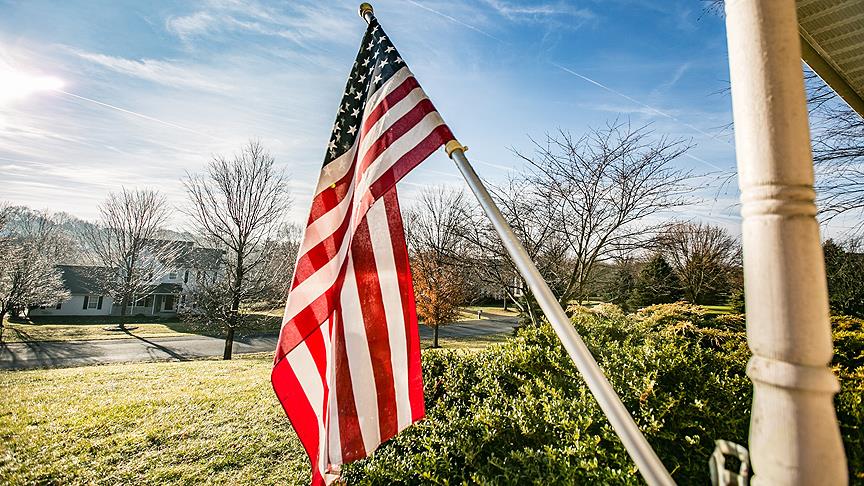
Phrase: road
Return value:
(49, 354)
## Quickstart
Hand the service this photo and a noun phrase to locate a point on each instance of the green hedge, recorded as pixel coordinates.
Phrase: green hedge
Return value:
(519, 412)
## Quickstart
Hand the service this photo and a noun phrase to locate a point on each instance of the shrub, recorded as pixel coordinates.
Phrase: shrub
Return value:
(662, 315)
(520, 413)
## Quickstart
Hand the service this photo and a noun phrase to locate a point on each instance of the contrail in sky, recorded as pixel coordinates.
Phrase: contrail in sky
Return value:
(595, 83)
(140, 115)
(655, 110)
(463, 24)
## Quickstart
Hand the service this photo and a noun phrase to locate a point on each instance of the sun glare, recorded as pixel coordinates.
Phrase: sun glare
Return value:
(16, 85)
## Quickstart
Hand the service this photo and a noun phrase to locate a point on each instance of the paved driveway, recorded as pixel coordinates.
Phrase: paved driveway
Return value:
(135, 349)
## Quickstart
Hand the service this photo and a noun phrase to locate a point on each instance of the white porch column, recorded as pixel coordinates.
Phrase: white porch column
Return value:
(794, 436)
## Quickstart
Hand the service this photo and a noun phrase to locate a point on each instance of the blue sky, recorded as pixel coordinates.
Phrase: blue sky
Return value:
(185, 80)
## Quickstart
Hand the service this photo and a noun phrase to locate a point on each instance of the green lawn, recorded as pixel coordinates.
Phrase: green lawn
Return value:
(71, 328)
(193, 422)
(718, 309)
(472, 343)
(61, 328)
(198, 422)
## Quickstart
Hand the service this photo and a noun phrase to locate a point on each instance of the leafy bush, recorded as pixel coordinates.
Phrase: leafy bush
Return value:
(520, 413)
(664, 315)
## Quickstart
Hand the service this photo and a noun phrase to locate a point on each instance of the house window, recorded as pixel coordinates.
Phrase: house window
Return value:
(92, 302)
(58, 305)
(186, 277)
(172, 275)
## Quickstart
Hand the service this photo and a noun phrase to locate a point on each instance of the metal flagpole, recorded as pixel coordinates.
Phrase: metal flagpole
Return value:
(643, 455)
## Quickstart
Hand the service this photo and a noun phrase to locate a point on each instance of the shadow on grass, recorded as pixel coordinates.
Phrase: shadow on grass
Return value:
(169, 352)
(92, 320)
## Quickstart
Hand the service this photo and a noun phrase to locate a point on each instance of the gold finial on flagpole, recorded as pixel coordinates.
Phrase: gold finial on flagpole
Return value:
(366, 9)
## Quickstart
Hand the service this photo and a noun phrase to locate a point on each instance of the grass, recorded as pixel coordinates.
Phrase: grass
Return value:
(470, 312)
(198, 422)
(192, 422)
(718, 309)
(60, 328)
(70, 328)
(472, 343)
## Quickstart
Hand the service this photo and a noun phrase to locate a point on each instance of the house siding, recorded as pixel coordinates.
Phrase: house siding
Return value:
(74, 306)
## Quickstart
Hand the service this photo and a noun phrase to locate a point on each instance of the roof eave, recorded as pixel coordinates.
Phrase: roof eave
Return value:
(829, 73)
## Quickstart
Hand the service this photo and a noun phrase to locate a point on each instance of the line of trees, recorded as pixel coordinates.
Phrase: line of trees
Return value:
(590, 213)
(586, 209)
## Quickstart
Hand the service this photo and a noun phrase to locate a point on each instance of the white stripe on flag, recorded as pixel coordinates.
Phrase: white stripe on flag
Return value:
(388, 277)
(392, 154)
(312, 288)
(385, 89)
(360, 361)
(389, 117)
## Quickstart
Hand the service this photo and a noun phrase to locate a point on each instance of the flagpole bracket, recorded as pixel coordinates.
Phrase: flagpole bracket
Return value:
(452, 145)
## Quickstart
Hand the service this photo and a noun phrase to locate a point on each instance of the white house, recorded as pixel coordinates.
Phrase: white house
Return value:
(87, 296)
(170, 291)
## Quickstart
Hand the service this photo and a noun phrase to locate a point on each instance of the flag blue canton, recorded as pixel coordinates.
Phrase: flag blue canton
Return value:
(376, 62)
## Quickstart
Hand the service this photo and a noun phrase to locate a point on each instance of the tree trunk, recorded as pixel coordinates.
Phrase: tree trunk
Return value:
(235, 307)
(2, 327)
(435, 336)
(229, 344)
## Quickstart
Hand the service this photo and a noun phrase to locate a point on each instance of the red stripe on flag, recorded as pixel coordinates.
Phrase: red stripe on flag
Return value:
(307, 321)
(349, 425)
(409, 311)
(375, 322)
(300, 412)
(393, 97)
(329, 198)
(319, 255)
(440, 135)
(400, 127)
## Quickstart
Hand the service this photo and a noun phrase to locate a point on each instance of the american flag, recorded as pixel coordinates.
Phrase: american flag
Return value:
(347, 368)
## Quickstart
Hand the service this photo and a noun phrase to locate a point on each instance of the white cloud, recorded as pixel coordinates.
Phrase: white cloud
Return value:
(306, 25)
(164, 72)
(187, 26)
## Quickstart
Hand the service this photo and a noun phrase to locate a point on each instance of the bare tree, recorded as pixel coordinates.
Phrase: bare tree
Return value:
(531, 218)
(434, 231)
(704, 258)
(601, 190)
(30, 247)
(125, 240)
(283, 252)
(238, 205)
(837, 133)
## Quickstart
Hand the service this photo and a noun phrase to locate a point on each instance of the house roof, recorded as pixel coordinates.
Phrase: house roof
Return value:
(184, 254)
(81, 279)
(832, 44)
(167, 288)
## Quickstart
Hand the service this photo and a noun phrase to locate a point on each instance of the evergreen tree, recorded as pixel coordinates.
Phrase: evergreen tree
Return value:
(736, 300)
(620, 288)
(657, 284)
(845, 272)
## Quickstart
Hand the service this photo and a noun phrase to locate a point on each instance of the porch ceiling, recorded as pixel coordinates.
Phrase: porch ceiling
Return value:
(832, 43)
